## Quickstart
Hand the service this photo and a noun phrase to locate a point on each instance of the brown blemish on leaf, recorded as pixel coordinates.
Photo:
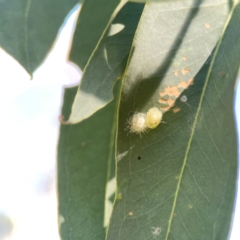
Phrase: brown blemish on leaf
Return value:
(175, 73)
(207, 25)
(221, 74)
(171, 91)
(175, 110)
(185, 84)
(185, 71)
(175, 215)
(61, 120)
(163, 101)
(170, 102)
(130, 213)
(184, 58)
(165, 108)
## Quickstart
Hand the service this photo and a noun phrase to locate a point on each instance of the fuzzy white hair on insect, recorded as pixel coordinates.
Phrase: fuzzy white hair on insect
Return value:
(137, 123)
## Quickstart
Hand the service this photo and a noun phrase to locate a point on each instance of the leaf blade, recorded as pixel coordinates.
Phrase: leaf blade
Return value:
(199, 107)
(85, 155)
(106, 65)
(29, 30)
(148, 176)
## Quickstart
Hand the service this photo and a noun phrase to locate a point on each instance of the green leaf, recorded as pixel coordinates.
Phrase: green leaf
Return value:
(85, 166)
(178, 181)
(28, 28)
(107, 64)
(144, 1)
(93, 19)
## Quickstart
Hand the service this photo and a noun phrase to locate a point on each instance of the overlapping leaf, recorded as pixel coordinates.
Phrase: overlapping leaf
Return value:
(106, 64)
(178, 181)
(85, 162)
(28, 28)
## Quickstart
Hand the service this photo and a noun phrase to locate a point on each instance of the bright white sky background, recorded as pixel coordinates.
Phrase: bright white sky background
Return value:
(29, 130)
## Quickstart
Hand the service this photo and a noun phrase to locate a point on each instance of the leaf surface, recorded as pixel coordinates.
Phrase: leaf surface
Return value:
(107, 64)
(143, 1)
(92, 20)
(29, 27)
(85, 181)
(178, 181)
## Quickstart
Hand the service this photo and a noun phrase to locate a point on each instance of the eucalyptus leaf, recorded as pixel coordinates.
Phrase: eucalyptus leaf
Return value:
(28, 28)
(144, 1)
(178, 181)
(106, 64)
(86, 163)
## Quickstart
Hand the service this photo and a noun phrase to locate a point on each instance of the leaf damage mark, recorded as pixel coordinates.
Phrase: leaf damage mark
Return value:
(221, 74)
(61, 120)
(130, 213)
(190, 206)
(185, 71)
(61, 220)
(115, 28)
(183, 99)
(176, 110)
(185, 84)
(156, 231)
(110, 190)
(207, 25)
(169, 95)
(121, 155)
(175, 73)
(171, 91)
(105, 56)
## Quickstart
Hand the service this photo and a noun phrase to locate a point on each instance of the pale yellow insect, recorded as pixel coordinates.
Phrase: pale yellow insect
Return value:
(154, 117)
(141, 122)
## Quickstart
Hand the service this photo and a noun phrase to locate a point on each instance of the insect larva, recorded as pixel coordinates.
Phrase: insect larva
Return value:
(153, 118)
(141, 122)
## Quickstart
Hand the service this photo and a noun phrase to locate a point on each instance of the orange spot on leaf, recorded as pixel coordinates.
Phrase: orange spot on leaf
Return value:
(175, 72)
(185, 71)
(165, 108)
(185, 84)
(170, 103)
(221, 74)
(175, 110)
(207, 25)
(171, 91)
(184, 58)
(162, 100)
